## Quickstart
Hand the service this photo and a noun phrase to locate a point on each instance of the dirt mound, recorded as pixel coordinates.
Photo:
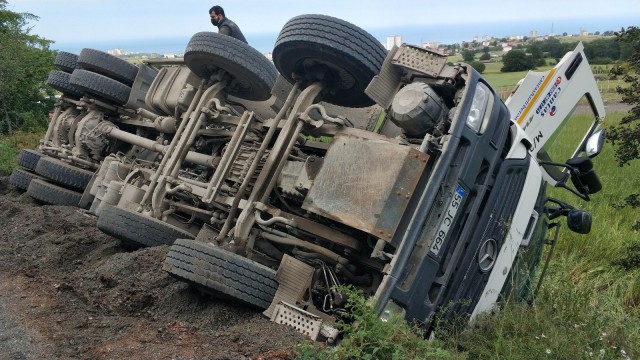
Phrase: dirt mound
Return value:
(69, 291)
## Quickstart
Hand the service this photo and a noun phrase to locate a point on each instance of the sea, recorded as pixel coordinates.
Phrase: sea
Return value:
(417, 35)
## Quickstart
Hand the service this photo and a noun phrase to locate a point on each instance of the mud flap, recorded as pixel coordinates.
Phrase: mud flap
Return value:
(87, 197)
(294, 277)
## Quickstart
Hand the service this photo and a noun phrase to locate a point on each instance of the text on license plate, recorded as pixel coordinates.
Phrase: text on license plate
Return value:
(447, 220)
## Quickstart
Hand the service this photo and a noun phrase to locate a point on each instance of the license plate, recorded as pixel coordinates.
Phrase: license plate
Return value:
(447, 221)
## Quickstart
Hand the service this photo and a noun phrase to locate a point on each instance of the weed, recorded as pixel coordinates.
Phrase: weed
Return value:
(10, 147)
(368, 337)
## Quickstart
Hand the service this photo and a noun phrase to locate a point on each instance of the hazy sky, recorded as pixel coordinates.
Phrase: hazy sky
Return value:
(96, 20)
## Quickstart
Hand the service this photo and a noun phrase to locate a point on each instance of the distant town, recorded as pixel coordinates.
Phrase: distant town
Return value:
(506, 43)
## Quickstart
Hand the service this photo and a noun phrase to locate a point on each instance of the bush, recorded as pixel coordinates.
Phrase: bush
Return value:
(367, 337)
(480, 67)
(516, 60)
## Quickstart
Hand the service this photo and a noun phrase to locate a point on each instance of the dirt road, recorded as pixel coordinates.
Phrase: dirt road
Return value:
(69, 291)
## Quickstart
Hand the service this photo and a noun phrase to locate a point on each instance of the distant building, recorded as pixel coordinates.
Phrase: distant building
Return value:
(269, 56)
(170, 56)
(117, 52)
(584, 32)
(534, 34)
(393, 40)
(431, 45)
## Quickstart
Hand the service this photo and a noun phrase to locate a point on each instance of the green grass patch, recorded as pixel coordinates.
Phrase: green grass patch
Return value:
(10, 146)
(366, 337)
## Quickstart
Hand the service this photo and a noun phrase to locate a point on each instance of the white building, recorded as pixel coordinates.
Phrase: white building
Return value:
(393, 40)
(116, 52)
(431, 45)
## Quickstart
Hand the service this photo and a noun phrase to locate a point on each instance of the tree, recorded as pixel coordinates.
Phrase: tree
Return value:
(627, 134)
(485, 56)
(467, 55)
(478, 66)
(516, 60)
(536, 54)
(25, 61)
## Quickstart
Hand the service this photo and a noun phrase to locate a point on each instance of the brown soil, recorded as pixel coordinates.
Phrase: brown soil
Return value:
(69, 291)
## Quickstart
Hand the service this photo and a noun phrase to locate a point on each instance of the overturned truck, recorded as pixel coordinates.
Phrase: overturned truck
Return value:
(276, 196)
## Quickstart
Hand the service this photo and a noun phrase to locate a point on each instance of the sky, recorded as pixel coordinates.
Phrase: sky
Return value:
(110, 22)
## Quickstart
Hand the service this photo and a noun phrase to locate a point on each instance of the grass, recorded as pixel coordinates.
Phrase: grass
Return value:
(588, 306)
(10, 147)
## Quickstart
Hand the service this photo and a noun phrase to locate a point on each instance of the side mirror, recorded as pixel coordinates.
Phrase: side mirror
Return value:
(579, 221)
(595, 143)
(583, 177)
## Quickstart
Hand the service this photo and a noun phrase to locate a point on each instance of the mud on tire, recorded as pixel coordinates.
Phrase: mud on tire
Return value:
(107, 65)
(101, 86)
(136, 230)
(253, 74)
(218, 271)
(63, 173)
(352, 55)
(48, 193)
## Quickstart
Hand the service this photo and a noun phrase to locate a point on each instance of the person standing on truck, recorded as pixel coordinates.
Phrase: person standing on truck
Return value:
(224, 24)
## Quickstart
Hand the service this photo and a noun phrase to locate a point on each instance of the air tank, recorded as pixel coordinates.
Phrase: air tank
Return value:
(416, 109)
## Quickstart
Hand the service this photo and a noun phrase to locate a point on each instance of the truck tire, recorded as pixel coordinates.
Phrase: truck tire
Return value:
(107, 65)
(253, 74)
(22, 178)
(101, 86)
(352, 56)
(59, 80)
(63, 174)
(221, 272)
(48, 193)
(136, 230)
(28, 158)
(66, 61)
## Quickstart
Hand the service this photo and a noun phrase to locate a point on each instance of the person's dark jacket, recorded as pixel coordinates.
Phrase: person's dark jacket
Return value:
(228, 27)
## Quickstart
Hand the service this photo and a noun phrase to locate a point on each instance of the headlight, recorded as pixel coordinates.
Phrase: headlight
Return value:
(392, 309)
(479, 106)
